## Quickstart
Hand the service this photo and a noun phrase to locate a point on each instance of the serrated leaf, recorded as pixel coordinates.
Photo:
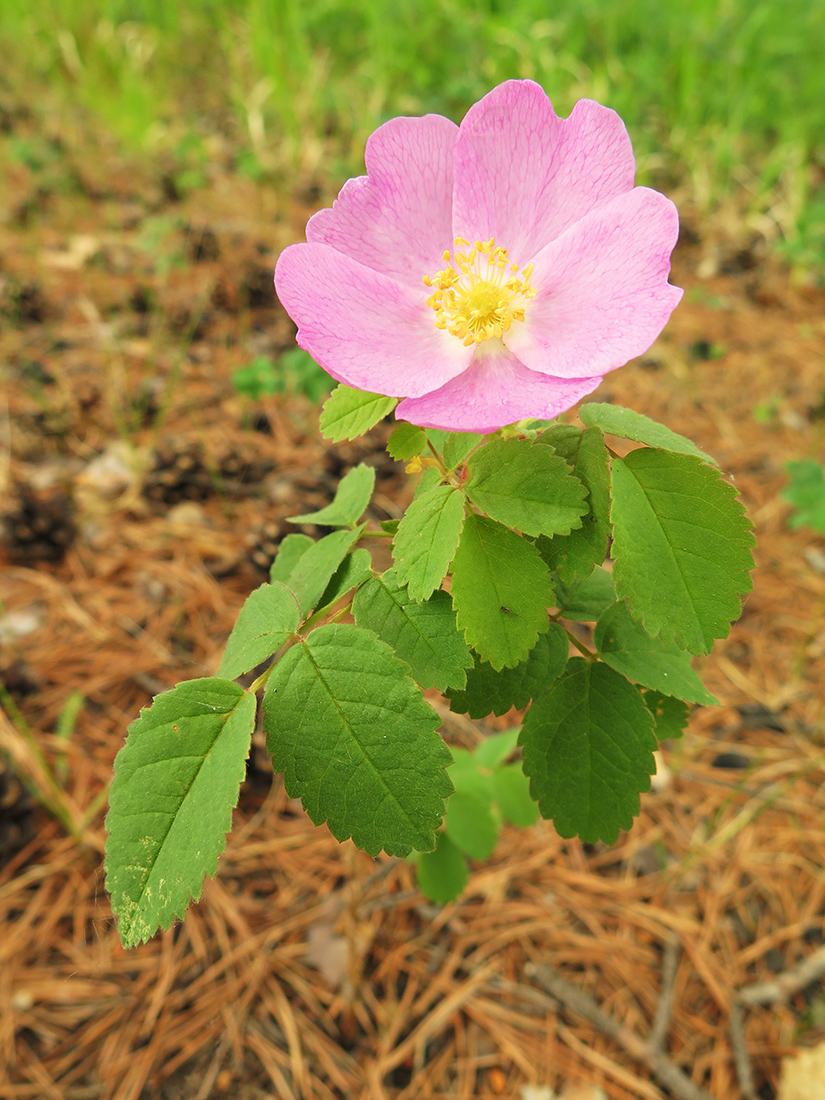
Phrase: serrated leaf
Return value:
(511, 794)
(315, 569)
(492, 692)
(351, 499)
(501, 590)
(175, 785)
(494, 750)
(470, 824)
(586, 601)
(628, 424)
(807, 493)
(670, 716)
(357, 741)
(574, 555)
(406, 440)
(526, 486)
(427, 538)
(681, 546)
(355, 569)
(389, 525)
(442, 874)
(290, 552)
(348, 413)
(424, 635)
(457, 446)
(267, 619)
(588, 752)
(626, 646)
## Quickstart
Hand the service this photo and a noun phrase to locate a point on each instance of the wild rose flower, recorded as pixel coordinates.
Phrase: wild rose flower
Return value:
(488, 272)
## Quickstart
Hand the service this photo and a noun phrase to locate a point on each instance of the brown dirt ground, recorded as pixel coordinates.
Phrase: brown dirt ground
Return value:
(242, 999)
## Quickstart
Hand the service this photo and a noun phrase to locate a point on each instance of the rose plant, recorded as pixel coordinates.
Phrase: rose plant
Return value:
(479, 281)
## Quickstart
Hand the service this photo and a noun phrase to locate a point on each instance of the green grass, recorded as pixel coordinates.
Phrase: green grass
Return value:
(722, 93)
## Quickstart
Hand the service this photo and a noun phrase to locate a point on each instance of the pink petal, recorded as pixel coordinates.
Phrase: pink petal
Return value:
(398, 218)
(495, 390)
(523, 175)
(602, 290)
(364, 328)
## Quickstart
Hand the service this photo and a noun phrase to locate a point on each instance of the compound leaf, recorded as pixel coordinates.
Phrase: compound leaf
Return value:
(682, 547)
(357, 741)
(427, 537)
(351, 499)
(442, 874)
(266, 620)
(348, 413)
(526, 486)
(501, 590)
(588, 752)
(175, 785)
(316, 567)
(492, 692)
(424, 635)
(626, 646)
(628, 424)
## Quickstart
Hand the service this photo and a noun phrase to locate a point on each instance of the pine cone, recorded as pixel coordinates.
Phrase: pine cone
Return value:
(177, 474)
(40, 526)
(265, 547)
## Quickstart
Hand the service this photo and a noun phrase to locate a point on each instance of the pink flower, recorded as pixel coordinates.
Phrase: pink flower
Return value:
(488, 272)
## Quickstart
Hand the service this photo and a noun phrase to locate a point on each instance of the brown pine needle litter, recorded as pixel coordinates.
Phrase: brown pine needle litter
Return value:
(308, 970)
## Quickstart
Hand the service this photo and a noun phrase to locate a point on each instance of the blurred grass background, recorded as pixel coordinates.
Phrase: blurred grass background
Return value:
(723, 97)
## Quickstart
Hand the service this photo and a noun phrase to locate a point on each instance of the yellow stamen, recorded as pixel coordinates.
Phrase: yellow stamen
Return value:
(473, 304)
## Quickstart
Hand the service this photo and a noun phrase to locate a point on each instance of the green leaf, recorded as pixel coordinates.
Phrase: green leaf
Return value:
(290, 552)
(501, 590)
(427, 537)
(406, 440)
(494, 750)
(348, 413)
(681, 545)
(807, 493)
(424, 635)
(175, 785)
(586, 601)
(310, 577)
(670, 716)
(626, 646)
(267, 619)
(353, 570)
(467, 775)
(351, 499)
(457, 446)
(357, 741)
(574, 555)
(470, 824)
(389, 525)
(442, 874)
(588, 751)
(641, 429)
(524, 485)
(511, 793)
(491, 692)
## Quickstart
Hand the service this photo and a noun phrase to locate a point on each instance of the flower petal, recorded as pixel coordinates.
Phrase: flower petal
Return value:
(364, 328)
(602, 291)
(495, 390)
(398, 218)
(523, 175)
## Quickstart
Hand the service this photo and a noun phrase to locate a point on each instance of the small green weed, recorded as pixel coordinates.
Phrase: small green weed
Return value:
(806, 493)
(294, 372)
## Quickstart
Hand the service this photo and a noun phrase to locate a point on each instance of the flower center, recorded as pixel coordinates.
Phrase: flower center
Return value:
(484, 296)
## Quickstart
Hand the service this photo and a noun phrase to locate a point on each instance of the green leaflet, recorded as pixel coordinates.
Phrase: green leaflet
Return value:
(628, 424)
(351, 499)
(315, 568)
(470, 824)
(511, 793)
(586, 600)
(175, 785)
(574, 555)
(357, 741)
(501, 590)
(406, 440)
(442, 874)
(290, 552)
(494, 750)
(491, 692)
(525, 486)
(682, 547)
(457, 446)
(424, 635)
(427, 537)
(670, 716)
(348, 413)
(353, 571)
(269, 616)
(626, 646)
(588, 752)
